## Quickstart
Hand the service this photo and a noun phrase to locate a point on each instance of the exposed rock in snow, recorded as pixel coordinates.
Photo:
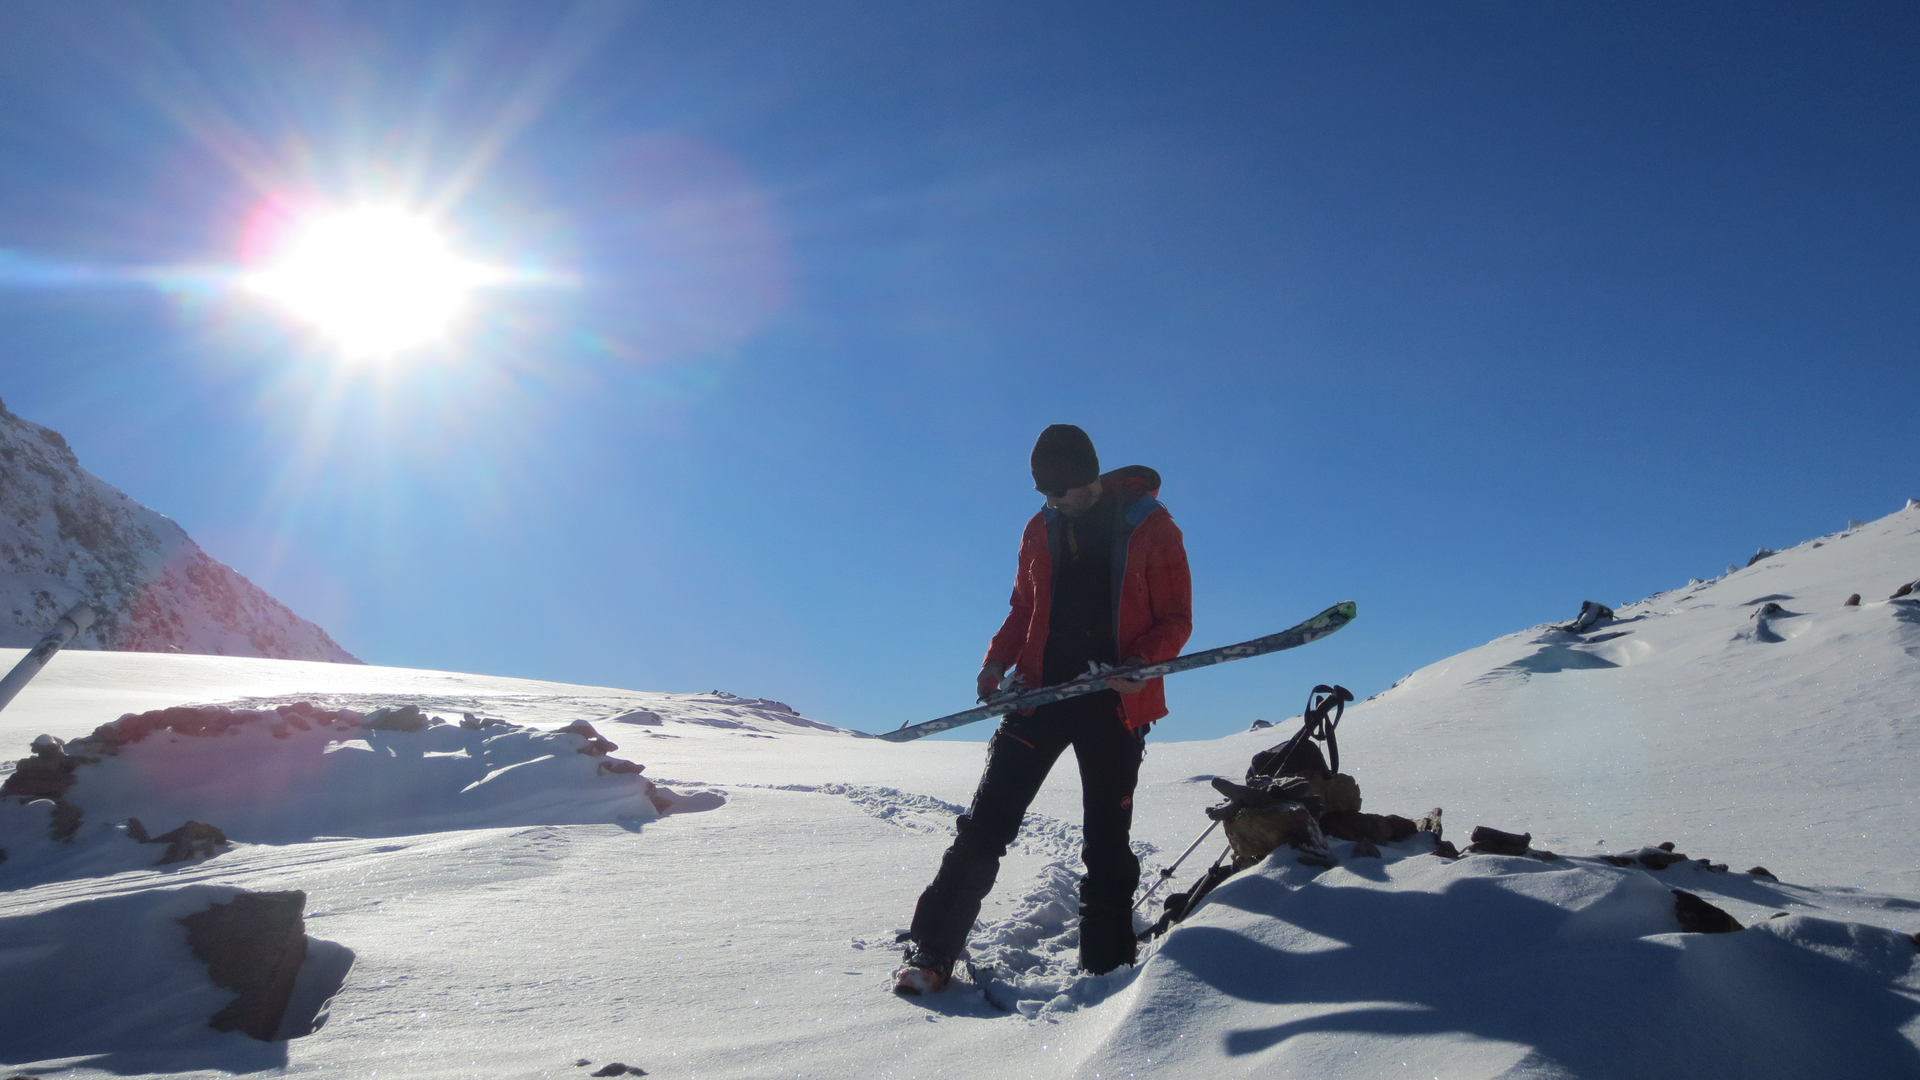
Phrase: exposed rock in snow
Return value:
(1699, 917)
(253, 945)
(163, 973)
(67, 536)
(296, 771)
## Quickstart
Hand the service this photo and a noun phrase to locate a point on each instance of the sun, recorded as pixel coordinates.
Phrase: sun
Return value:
(376, 281)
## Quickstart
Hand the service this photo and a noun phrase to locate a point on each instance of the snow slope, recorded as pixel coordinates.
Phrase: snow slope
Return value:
(564, 921)
(1788, 739)
(67, 536)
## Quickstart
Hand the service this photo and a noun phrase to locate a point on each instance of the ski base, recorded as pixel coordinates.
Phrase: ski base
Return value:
(1313, 629)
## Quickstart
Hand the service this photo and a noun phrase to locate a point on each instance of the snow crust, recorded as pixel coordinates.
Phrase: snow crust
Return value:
(511, 910)
(68, 536)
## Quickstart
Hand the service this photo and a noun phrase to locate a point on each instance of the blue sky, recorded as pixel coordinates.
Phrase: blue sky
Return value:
(1464, 312)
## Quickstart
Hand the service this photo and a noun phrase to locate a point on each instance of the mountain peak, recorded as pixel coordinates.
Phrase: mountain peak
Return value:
(68, 536)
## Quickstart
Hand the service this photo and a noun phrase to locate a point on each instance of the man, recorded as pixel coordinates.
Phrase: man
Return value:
(1102, 581)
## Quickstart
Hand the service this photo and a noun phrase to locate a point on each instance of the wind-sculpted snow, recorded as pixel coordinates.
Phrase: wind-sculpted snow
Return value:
(1040, 834)
(1689, 715)
(715, 709)
(67, 536)
(757, 940)
(298, 772)
(1509, 966)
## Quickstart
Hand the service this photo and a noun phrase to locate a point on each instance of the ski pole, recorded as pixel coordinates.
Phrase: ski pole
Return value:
(1168, 872)
(78, 618)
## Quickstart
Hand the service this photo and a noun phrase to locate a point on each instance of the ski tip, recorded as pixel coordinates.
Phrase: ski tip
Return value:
(1347, 609)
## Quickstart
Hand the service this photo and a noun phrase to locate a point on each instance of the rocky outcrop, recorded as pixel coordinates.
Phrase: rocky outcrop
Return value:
(67, 536)
(1699, 917)
(254, 946)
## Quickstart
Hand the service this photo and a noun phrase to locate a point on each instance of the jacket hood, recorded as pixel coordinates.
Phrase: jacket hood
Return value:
(1132, 481)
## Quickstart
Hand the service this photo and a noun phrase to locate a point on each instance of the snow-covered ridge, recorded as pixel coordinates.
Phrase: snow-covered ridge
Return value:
(295, 772)
(1750, 714)
(1506, 967)
(67, 536)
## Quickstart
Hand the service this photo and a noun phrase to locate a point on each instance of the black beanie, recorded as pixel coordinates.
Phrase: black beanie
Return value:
(1063, 459)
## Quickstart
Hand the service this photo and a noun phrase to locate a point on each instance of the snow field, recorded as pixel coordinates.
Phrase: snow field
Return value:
(506, 930)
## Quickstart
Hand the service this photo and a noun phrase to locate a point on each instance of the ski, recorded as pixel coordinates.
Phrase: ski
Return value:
(1313, 629)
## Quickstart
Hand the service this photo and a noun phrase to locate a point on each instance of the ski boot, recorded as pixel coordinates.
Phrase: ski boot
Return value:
(1106, 939)
(924, 972)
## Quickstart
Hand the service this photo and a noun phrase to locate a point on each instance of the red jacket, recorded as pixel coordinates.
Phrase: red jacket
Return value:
(1154, 613)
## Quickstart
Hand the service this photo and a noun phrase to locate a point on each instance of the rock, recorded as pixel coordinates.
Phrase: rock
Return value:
(198, 720)
(1659, 858)
(254, 946)
(1430, 823)
(1761, 871)
(1666, 845)
(1445, 849)
(403, 718)
(136, 831)
(1365, 849)
(66, 821)
(1916, 940)
(1852, 601)
(1699, 917)
(581, 1063)
(1763, 553)
(1903, 590)
(42, 776)
(1254, 831)
(1591, 615)
(1856, 523)
(1372, 828)
(194, 840)
(47, 746)
(618, 765)
(619, 1068)
(1544, 856)
(1258, 724)
(1495, 842)
(1618, 860)
(597, 744)
(1340, 793)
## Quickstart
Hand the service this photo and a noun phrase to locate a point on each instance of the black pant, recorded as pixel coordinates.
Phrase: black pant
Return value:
(1019, 756)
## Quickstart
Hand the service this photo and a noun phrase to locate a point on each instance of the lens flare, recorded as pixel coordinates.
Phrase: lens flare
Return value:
(375, 281)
